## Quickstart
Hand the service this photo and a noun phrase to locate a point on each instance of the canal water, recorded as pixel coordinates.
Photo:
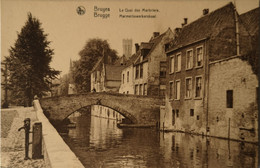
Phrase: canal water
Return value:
(97, 142)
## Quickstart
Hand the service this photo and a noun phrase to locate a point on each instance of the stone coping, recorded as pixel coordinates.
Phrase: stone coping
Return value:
(56, 152)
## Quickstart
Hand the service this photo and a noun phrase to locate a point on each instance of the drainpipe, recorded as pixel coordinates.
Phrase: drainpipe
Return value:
(206, 84)
(237, 30)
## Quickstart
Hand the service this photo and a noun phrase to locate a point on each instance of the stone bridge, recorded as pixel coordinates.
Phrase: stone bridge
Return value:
(139, 109)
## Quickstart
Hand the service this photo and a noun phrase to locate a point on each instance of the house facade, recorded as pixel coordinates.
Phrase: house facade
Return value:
(106, 77)
(127, 75)
(206, 63)
(150, 66)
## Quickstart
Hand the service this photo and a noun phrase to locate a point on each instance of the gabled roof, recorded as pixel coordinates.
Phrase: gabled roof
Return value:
(132, 59)
(154, 41)
(99, 62)
(120, 60)
(207, 26)
(250, 20)
(113, 72)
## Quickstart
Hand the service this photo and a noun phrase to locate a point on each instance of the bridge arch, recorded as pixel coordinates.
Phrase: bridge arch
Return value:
(139, 109)
(122, 112)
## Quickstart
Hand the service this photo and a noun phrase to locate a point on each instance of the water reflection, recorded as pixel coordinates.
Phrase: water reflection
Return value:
(99, 143)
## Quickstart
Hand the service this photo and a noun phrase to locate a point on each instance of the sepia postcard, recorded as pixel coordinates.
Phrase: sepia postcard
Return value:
(117, 83)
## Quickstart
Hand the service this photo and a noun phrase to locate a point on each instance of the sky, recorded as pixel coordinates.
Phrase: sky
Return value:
(68, 31)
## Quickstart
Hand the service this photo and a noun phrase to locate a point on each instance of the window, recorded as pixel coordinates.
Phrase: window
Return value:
(188, 88)
(127, 76)
(136, 71)
(198, 90)
(123, 80)
(171, 90)
(177, 113)
(178, 61)
(229, 98)
(141, 89)
(173, 117)
(191, 112)
(177, 90)
(127, 92)
(141, 70)
(162, 69)
(171, 64)
(189, 59)
(199, 56)
(136, 89)
(145, 89)
(162, 90)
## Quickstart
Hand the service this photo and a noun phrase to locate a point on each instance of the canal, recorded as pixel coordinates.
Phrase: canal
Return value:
(97, 142)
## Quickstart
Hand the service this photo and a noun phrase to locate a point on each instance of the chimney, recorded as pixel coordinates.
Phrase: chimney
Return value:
(156, 34)
(136, 47)
(185, 22)
(205, 11)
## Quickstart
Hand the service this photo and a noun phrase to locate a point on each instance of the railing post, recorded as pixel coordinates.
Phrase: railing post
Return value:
(37, 141)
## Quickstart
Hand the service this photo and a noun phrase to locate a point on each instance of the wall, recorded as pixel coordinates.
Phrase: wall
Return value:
(97, 81)
(127, 86)
(236, 75)
(184, 121)
(141, 81)
(156, 56)
(56, 154)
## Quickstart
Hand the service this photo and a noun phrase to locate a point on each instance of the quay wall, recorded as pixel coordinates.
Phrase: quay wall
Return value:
(56, 152)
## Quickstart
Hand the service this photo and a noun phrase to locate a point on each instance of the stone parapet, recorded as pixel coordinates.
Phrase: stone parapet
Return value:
(56, 152)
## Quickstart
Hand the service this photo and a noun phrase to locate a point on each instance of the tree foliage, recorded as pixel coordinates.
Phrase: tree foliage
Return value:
(29, 63)
(89, 55)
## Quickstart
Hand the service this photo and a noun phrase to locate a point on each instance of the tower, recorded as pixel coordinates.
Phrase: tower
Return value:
(127, 48)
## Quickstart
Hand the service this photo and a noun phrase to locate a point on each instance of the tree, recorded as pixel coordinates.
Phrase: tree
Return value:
(89, 55)
(29, 63)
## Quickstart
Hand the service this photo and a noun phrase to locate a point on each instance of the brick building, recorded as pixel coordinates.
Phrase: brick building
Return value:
(145, 70)
(206, 62)
(149, 68)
